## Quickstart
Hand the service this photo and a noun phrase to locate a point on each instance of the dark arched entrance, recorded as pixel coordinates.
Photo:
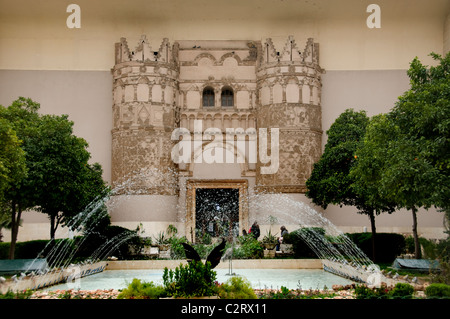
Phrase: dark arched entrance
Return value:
(217, 211)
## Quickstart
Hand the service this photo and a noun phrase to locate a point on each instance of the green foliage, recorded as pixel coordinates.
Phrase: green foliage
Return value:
(204, 238)
(30, 249)
(12, 158)
(370, 159)
(177, 251)
(80, 247)
(67, 183)
(138, 289)
(269, 238)
(402, 291)
(116, 238)
(192, 280)
(390, 245)
(364, 292)
(299, 244)
(285, 293)
(22, 117)
(59, 181)
(161, 238)
(236, 288)
(443, 275)
(422, 116)
(16, 295)
(430, 248)
(331, 181)
(402, 159)
(249, 248)
(438, 290)
(443, 249)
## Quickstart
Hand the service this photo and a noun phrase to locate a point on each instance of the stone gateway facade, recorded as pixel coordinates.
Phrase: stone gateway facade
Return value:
(222, 95)
(230, 105)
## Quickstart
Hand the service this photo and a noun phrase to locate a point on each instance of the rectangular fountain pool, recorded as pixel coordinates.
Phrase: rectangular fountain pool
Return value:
(259, 278)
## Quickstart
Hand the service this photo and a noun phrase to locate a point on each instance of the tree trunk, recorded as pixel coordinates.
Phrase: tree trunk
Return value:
(374, 232)
(16, 213)
(52, 226)
(417, 253)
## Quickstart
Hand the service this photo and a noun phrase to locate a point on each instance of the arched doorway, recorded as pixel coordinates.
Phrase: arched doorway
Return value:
(216, 212)
(216, 207)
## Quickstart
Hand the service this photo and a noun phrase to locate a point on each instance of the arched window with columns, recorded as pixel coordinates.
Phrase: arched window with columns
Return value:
(208, 97)
(227, 97)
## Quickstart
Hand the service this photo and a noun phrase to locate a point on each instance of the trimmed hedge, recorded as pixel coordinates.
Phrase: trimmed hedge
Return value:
(387, 245)
(438, 290)
(24, 250)
(120, 238)
(300, 247)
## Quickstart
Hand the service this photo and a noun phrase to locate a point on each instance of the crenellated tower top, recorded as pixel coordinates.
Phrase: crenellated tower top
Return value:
(143, 52)
(291, 52)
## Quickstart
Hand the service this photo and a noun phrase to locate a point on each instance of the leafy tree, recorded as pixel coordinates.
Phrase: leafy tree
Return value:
(67, 182)
(422, 115)
(405, 152)
(22, 117)
(12, 158)
(59, 182)
(331, 181)
(12, 166)
(417, 174)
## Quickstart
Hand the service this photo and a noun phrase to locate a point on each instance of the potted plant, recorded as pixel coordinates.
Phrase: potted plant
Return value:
(269, 241)
(162, 241)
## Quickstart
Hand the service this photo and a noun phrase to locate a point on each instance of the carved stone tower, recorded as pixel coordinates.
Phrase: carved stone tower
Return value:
(289, 92)
(144, 115)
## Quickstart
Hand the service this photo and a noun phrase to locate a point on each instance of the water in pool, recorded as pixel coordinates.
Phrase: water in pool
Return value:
(259, 278)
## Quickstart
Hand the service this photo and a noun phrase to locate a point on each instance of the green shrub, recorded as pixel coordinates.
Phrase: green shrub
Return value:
(119, 237)
(387, 245)
(443, 249)
(4, 250)
(299, 245)
(177, 251)
(437, 290)
(142, 290)
(285, 293)
(430, 249)
(364, 292)
(17, 295)
(192, 280)
(442, 276)
(402, 291)
(249, 248)
(236, 288)
(86, 246)
(30, 249)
